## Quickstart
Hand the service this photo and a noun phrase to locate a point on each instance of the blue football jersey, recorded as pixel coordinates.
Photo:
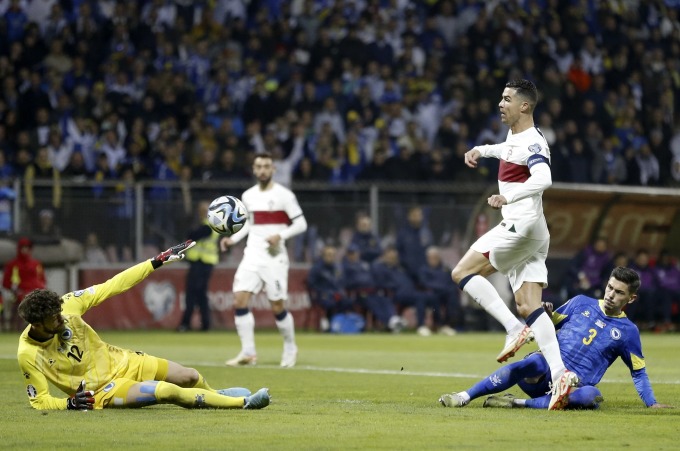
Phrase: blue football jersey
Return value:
(590, 341)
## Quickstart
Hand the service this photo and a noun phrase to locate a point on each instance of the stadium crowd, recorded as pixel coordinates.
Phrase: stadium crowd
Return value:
(338, 91)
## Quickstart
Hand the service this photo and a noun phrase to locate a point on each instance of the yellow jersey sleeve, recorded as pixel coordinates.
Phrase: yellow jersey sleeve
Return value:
(36, 382)
(80, 301)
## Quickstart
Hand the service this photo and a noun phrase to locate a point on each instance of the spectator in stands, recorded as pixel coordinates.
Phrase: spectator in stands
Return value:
(7, 197)
(609, 167)
(413, 238)
(360, 288)
(21, 275)
(326, 285)
(392, 280)
(668, 276)
(94, 253)
(365, 240)
(644, 313)
(588, 270)
(435, 278)
(46, 193)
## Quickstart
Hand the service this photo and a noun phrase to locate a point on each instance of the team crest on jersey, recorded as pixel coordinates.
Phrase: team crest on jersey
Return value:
(79, 293)
(615, 333)
(67, 334)
(109, 387)
(535, 148)
(586, 313)
(32, 392)
(599, 323)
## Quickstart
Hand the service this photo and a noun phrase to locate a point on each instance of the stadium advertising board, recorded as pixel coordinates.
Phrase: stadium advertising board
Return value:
(629, 220)
(158, 301)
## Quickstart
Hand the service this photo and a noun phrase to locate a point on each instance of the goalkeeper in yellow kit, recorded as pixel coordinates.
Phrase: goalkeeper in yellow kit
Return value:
(59, 347)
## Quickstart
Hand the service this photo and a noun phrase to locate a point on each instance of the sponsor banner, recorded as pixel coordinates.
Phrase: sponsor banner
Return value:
(629, 220)
(158, 301)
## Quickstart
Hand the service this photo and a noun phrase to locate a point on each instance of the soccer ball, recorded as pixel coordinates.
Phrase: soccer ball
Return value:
(227, 215)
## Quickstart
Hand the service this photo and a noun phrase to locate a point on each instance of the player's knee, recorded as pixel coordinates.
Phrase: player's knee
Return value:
(241, 299)
(586, 397)
(457, 274)
(277, 307)
(188, 377)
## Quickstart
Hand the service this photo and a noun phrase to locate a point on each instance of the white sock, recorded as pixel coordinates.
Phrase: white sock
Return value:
(465, 396)
(486, 295)
(287, 329)
(245, 327)
(544, 333)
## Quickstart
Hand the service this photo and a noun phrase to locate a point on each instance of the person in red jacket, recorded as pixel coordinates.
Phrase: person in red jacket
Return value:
(21, 275)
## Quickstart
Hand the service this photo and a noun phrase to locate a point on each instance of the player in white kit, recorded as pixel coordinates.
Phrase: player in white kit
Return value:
(518, 246)
(274, 216)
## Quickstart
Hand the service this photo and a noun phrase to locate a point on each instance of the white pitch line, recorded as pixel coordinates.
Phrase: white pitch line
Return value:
(393, 372)
(371, 371)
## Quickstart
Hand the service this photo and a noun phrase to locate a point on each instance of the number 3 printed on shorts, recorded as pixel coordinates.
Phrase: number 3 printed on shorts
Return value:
(589, 338)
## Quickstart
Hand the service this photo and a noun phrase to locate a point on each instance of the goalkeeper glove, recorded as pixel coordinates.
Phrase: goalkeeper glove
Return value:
(173, 254)
(82, 400)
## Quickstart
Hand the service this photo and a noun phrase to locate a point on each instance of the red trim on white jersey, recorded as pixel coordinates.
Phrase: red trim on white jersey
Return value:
(271, 217)
(511, 172)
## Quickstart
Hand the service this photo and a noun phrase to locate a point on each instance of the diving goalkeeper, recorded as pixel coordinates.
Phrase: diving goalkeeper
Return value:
(59, 347)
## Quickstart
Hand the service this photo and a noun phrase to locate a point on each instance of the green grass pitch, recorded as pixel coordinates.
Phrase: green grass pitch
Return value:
(371, 391)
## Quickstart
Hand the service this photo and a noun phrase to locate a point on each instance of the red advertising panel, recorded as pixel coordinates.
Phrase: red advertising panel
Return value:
(158, 301)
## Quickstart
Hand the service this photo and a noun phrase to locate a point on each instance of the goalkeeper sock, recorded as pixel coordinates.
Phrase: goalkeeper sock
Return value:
(245, 327)
(544, 333)
(167, 393)
(202, 383)
(486, 295)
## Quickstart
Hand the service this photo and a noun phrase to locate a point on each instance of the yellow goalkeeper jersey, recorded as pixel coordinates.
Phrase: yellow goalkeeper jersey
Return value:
(77, 353)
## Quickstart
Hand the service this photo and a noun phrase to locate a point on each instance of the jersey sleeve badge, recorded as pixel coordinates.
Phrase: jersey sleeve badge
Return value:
(535, 148)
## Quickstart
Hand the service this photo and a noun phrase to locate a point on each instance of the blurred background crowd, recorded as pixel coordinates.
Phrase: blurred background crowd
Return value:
(340, 90)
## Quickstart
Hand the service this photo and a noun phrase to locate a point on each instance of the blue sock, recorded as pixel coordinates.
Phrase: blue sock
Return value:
(542, 402)
(508, 376)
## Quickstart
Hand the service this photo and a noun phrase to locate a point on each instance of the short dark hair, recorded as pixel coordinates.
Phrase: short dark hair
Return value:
(265, 155)
(39, 305)
(525, 89)
(627, 276)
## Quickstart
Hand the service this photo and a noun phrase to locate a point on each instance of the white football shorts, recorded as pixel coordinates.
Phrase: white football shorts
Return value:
(272, 276)
(519, 258)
